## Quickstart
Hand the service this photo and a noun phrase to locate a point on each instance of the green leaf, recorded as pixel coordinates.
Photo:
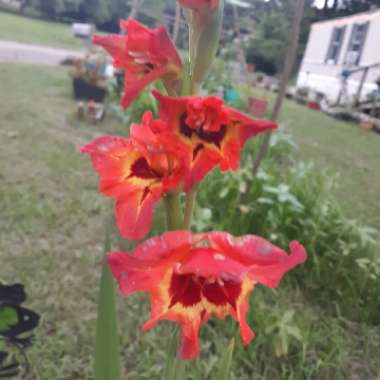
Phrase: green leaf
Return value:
(224, 192)
(107, 353)
(8, 318)
(223, 367)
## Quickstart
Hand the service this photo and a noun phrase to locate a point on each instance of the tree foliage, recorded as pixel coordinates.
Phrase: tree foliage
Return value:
(267, 22)
(338, 8)
(269, 38)
(103, 13)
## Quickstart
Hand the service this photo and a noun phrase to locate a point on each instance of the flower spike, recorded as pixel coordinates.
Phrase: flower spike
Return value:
(205, 21)
(191, 278)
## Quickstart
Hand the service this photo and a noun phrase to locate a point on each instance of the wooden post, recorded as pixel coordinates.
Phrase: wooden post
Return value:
(135, 7)
(177, 22)
(299, 8)
(239, 45)
(364, 77)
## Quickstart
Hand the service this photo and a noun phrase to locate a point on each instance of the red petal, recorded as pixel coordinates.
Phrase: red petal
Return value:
(134, 85)
(267, 263)
(134, 213)
(133, 275)
(138, 34)
(166, 246)
(208, 262)
(107, 155)
(189, 345)
(245, 331)
(115, 45)
(249, 127)
(171, 108)
(203, 163)
(146, 134)
(162, 47)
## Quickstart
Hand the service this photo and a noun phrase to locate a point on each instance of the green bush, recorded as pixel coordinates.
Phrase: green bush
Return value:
(293, 201)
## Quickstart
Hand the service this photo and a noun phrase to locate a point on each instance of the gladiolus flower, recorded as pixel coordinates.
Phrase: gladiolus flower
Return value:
(145, 54)
(192, 277)
(207, 132)
(135, 177)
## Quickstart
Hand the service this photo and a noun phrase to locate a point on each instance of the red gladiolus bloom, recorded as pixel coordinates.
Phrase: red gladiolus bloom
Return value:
(207, 132)
(199, 4)
(192, 277)
(135, 177)
(145, 55)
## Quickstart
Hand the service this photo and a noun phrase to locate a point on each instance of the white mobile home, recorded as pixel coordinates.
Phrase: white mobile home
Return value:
(344, 44)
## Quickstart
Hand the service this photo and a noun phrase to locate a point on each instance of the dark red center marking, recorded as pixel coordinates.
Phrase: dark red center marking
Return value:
(188, 290)
(209, 137)
(141, 169)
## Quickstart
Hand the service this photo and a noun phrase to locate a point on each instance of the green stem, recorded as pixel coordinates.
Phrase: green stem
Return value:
(192, 42)
(173, 210)
(189, 207)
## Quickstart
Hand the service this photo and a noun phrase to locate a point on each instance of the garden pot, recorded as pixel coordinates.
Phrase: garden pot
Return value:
(313, 105)
(87, 91)
(366, 125)
(257, 107)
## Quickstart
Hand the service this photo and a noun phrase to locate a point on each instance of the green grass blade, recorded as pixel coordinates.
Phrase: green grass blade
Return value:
(107, 353)
(169, 372)
(180, 369)
(223, 368)
(174, 366)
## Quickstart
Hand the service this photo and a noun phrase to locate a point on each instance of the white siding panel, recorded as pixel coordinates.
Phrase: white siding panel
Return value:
(318, 44)
(371, 51)
(331, 86)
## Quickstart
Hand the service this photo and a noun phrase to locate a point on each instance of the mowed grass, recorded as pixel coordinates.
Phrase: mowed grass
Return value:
(344, 150)
(51, 240)
(27, 30)
(51, 216)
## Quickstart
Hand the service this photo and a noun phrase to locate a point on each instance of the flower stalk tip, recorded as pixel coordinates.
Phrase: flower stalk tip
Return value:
(205, 23)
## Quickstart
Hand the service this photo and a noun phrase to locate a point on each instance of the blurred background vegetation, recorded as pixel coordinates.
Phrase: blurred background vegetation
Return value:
(264, 25)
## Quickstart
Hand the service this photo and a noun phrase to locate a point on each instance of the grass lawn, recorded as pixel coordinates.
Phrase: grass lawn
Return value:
(51, 240)
(344, 150)
(28, 30)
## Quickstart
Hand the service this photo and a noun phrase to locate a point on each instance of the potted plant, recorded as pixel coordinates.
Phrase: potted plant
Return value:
(89, 77)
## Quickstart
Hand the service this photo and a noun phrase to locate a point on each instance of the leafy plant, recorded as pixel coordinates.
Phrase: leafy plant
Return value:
(292, 199)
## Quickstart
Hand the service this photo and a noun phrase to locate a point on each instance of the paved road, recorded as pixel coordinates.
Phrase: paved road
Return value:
(27, 53)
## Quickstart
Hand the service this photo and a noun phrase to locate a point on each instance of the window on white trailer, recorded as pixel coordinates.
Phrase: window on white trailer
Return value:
(356, 44)
(335, 46)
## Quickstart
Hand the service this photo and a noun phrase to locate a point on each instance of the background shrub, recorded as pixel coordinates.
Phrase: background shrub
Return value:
(291, 200)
